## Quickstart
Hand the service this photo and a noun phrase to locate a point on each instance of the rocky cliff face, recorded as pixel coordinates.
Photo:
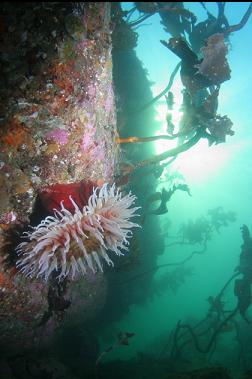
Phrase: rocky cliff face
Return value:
(57, 125)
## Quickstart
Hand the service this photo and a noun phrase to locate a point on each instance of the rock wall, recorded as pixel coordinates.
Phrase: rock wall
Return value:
(57, 125)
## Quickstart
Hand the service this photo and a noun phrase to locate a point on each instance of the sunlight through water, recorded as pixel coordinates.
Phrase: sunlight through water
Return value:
(201, 163)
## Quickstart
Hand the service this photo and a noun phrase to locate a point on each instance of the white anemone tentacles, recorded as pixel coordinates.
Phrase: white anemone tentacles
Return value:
(70, 243)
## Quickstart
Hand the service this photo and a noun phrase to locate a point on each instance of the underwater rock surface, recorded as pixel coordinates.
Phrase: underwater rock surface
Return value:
(57, 126)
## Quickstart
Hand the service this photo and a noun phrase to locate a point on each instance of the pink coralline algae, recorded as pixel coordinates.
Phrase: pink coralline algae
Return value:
(58, 135)
(98, 152)
(81, 46)
(109, 100)
(87, 140)
(89, 146)
(91, 91)
(8, 217)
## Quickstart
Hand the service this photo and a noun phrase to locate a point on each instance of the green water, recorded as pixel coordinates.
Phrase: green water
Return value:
(222, 179)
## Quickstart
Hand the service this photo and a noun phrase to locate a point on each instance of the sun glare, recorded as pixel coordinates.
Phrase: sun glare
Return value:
(201, 162)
